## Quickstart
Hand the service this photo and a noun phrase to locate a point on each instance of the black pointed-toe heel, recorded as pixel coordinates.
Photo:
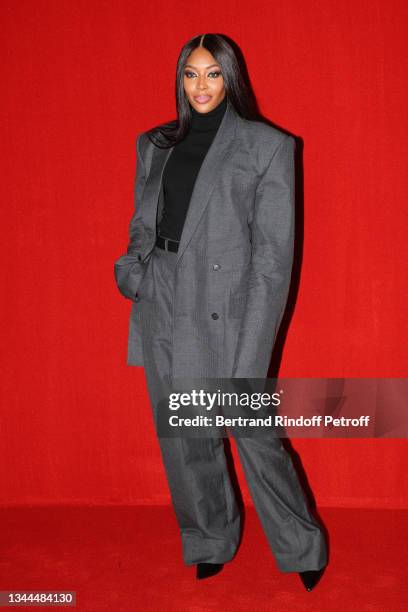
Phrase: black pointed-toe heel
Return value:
(311, 577)
(205, 570)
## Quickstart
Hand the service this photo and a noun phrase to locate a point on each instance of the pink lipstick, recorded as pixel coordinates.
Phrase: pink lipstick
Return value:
(202, 99)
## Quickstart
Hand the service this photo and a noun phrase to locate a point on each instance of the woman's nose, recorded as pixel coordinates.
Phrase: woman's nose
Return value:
(201, 84)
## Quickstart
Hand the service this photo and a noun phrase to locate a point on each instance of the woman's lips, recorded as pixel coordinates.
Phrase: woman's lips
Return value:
(202, 99)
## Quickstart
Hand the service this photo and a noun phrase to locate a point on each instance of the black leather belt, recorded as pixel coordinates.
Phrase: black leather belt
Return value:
(167, 244)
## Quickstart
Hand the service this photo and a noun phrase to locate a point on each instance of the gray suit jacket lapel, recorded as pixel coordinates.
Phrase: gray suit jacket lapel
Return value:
(221, 147)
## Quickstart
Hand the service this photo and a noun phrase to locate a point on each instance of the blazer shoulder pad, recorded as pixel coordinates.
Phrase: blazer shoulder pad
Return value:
(263, 140)
(267, 134)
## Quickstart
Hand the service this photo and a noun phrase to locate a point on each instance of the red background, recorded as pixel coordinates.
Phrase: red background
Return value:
(80, 81)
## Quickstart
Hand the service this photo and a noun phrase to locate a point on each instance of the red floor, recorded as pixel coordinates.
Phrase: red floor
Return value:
(123, 558)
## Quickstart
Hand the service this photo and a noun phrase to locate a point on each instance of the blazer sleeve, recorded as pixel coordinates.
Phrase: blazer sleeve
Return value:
(272, 236)
(127, 268)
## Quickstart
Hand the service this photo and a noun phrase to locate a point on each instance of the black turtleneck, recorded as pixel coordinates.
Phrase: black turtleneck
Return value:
(182, 168)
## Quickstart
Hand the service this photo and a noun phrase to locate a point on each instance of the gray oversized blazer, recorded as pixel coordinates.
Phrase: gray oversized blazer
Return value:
(235, 254)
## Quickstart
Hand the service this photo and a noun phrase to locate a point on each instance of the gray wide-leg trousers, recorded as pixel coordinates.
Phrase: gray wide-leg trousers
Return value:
(201, 490)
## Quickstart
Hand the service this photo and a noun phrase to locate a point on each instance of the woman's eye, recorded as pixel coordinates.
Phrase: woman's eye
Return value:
(191, 74)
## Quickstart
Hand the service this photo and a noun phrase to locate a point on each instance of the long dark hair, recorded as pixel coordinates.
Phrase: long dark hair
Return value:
(236, 81)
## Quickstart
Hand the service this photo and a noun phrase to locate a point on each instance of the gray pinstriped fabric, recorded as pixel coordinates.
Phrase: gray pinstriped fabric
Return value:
(202, 494)
(213, 309)
(235, 254)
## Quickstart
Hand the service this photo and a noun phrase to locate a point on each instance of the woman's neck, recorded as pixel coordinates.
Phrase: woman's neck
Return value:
(206, 122)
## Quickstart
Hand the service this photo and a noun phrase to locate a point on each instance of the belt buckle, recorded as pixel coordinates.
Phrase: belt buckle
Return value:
(166, 244)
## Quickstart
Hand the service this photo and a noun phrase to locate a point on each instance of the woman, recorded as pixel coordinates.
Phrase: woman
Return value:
(208, 269)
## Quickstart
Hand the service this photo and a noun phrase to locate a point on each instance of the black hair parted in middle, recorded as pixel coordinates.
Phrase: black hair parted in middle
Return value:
(236, 82)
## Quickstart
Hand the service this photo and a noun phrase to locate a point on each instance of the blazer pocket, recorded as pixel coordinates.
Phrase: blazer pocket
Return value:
(128, 271)
(145, 290)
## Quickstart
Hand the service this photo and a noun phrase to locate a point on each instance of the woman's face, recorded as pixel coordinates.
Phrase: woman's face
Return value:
(203, 81)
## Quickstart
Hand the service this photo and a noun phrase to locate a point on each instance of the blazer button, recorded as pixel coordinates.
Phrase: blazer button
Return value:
(216, 266)
(215, 315)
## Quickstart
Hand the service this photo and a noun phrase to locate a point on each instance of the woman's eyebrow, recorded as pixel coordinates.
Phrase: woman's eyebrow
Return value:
(206, 68)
